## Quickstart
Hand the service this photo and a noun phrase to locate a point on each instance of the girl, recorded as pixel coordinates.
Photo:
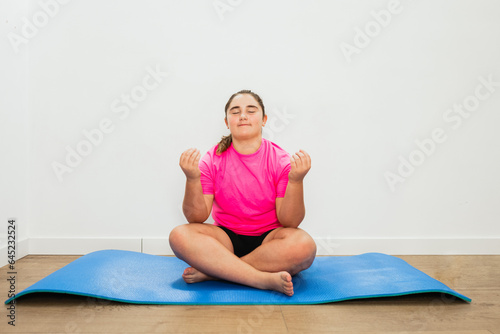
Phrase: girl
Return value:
(254, 190)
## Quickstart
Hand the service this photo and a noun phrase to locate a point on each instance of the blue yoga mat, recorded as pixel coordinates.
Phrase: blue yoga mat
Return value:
(138, 278)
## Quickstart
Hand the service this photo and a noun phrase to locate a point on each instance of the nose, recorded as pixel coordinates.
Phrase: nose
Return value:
(243, 115)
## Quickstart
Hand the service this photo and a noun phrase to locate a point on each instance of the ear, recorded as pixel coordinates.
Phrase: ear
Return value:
(225, 120)
(264, 120)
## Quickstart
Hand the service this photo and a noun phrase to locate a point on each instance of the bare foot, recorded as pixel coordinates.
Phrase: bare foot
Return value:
(193, 275)
(281, 282)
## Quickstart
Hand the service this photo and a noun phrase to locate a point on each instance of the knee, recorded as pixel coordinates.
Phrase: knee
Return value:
(178, 237)
(309, 250)
(305, 250)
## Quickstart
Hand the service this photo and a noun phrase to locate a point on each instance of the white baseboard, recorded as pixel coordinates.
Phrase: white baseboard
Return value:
(22, 249)
(407, 246)
(81, 246)
(326, 246)
(156, 246)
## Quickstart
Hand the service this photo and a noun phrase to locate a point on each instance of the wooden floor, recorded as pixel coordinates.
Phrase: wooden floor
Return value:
(477, 277)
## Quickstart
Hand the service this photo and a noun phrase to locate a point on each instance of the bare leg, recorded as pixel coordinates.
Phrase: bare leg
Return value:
(206, 248)
(284, 249)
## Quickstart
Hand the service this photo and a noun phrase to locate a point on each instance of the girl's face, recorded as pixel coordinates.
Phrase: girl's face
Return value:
(244, 117)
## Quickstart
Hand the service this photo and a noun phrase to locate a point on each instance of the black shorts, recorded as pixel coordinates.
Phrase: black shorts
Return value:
(244, 244)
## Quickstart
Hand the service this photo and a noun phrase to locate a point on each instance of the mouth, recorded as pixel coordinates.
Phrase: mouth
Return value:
(244, 125)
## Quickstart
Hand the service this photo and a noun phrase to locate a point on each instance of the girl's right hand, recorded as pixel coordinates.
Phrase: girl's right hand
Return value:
(189, 163)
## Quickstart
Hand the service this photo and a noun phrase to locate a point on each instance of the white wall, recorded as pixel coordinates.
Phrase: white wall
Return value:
(14, 138)
(356, 114)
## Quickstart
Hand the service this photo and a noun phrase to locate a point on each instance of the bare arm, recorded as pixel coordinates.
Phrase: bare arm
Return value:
(196, 206)
(291, 209)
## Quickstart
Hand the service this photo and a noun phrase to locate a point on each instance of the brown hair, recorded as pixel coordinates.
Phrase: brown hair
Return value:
(227, 140)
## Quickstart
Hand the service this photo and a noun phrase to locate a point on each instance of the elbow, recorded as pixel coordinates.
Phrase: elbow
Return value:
(292, 222)
(193, 221)
(289, 225)
(195, 218)
(194, 214)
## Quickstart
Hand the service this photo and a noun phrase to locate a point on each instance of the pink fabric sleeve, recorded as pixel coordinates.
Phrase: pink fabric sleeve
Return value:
(283, 178)
(206, 177)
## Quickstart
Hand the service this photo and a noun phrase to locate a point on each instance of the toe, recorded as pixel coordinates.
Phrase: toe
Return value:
(189, 271)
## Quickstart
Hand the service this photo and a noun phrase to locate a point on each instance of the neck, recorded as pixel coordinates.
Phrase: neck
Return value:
(247, 146)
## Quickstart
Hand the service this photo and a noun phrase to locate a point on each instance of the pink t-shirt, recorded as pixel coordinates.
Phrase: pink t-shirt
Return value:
(245, 186)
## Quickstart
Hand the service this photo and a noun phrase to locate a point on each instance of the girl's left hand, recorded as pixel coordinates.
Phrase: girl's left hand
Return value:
(300, 163)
